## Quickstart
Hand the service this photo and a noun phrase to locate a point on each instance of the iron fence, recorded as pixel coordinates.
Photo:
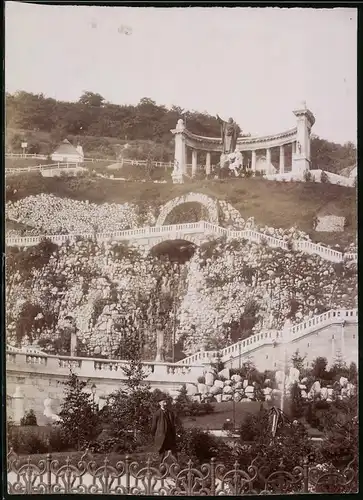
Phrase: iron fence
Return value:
(129, 477)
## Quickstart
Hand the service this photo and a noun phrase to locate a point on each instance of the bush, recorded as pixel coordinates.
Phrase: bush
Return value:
(201, 380)
(29, 418)
(200, 446)
(308, 176)
(27, 441)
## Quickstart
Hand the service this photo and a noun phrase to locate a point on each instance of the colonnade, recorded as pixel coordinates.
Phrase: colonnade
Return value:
(298, 137)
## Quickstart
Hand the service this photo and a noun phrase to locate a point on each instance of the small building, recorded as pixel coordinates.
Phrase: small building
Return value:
(66, 152)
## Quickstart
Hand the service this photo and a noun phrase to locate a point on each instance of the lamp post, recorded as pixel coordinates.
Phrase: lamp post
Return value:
(93, 389)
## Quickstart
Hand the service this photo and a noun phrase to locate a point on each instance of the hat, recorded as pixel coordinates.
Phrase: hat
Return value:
(162, 398)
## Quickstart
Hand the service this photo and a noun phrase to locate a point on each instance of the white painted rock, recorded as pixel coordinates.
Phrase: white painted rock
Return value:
(238, 396)
(202, 388)
(225, 373)
(343, 381)
(191, 389)
(245, 384)
(218, 398)
(294, 374)
(304, 394)
(236, 378)
(227, 397)
(238, 385)
(215, 390)
(302, 387)
(228, 382)
(267, 391)
(324, 393)
(209, 378)
(227, 389)
(218, 383)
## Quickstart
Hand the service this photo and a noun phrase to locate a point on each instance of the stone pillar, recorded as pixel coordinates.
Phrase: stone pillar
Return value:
(180, 146)
(159, 345)
(18, 405)
(268, 157)
(282, 160)
(194, 162)
(332, 348)
(73, 342)
(207, 164)
(253, 163)
(342, 342)
(301, 158)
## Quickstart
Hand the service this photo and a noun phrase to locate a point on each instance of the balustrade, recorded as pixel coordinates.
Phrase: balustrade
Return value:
(201, 226)
(292, 333)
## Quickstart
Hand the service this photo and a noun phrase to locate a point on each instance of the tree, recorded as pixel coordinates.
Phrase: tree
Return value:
(318, 369)
(91, 99)
(29, 418)
(298, 360)
(80, 422)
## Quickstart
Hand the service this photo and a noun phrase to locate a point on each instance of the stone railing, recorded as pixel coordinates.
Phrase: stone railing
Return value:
(30, 360)
(26, 476)
(188, 228)
(270, 337)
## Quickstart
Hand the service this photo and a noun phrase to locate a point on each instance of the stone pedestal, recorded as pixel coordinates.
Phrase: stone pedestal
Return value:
(18, 405)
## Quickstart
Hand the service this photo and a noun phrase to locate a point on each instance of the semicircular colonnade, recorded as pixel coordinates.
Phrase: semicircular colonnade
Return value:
(298, 136)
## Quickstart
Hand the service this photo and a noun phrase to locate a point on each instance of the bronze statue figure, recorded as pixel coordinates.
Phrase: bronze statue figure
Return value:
(229, 134)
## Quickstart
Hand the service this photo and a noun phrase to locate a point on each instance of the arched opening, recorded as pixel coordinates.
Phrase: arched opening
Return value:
(177, 251)
(191, 211)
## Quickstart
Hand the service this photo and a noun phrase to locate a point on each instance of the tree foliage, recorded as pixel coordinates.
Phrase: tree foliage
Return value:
(92, 119)
(80, 421)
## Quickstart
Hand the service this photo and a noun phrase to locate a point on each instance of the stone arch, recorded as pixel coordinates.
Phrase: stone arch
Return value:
(209, 203)
(194, 239)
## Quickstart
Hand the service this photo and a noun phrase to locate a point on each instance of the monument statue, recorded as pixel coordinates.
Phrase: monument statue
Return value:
(229, 134)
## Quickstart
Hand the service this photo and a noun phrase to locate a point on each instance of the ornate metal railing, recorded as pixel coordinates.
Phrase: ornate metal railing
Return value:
(129, 477)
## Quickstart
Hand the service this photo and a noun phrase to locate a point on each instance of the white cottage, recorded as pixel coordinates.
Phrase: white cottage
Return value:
(66, 152)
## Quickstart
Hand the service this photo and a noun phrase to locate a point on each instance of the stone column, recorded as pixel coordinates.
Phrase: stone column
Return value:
(159, 344)
(73, 342)
(253, 163)
(194, 162)
(18, 405)
(180, 146)
(207, 164)
(282, 160)
(332, 348)
(342, 341)
(301, 159)
(268, 157)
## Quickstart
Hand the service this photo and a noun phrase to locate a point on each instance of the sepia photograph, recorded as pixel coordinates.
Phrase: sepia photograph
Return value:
(181, 288)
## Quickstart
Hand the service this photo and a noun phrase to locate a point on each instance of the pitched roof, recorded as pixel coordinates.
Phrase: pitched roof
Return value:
(66, 148)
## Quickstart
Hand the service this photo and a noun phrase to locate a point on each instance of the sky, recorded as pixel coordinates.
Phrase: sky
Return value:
(254, 64)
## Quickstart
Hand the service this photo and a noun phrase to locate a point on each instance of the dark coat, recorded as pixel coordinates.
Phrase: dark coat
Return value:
(164, 432)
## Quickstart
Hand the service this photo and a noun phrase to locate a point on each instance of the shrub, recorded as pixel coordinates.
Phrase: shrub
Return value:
(29, 418)
(27, 441)
(201, 380)
(308, 177)
(58, 441)
(200, 446)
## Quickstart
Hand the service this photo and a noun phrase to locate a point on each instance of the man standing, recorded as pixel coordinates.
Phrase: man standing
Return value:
(163, 430)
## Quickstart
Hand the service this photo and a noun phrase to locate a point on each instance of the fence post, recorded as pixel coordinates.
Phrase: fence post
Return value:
(49, 474)
(127, 473)
(306, 474)
(212, 477)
